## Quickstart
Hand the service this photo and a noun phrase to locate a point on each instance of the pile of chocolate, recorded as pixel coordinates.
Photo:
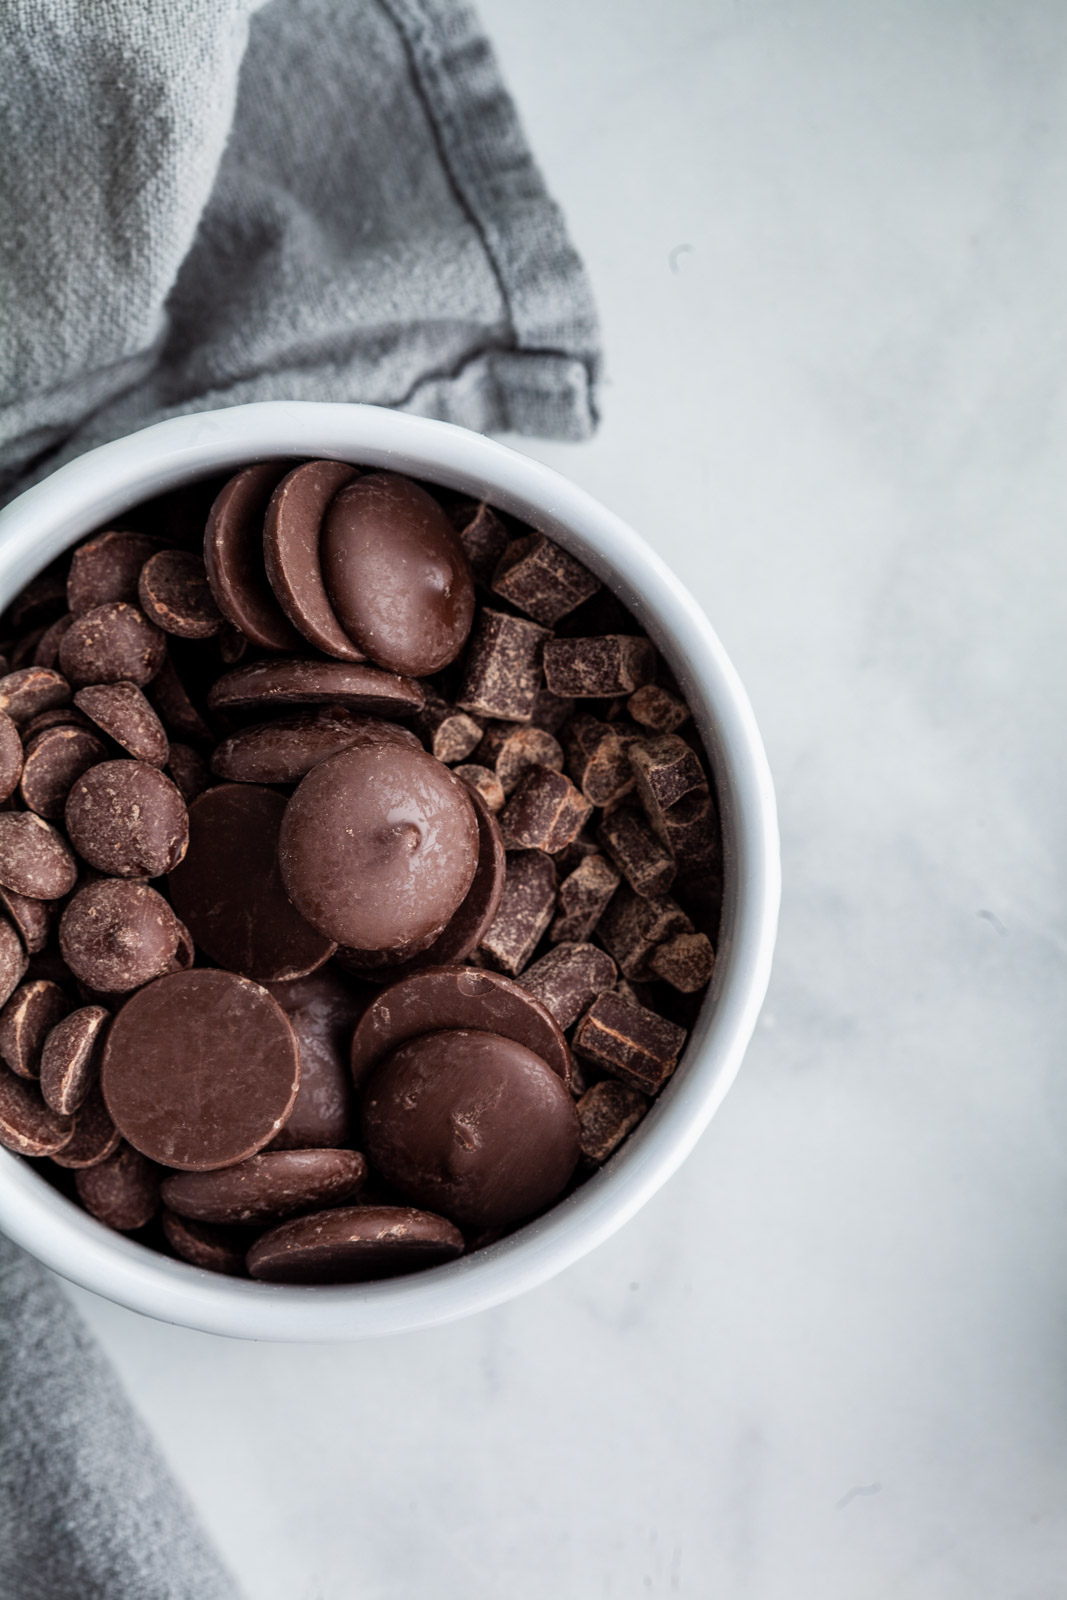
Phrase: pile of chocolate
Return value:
(360, 866)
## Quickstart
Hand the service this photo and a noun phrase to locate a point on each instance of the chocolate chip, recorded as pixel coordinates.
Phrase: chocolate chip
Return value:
(25, 1021)
(55, 760)
(353, 1244)
(685, 962)
(583, 897)
(606, 1114)
(598, 757)
(189, 770)
(526, 908)
(448, 734)
(127, 819)
(676, 797)
(267, 1187)
(175, 709)
(126, 716)
(483, 782)
(116, 935)
(484, 539)
(286, 749)
(34, 858)
(656, 709)
(174, 594)
(568, 979)
(110, 643)
(264, 684)
(12, 959)
(107, 568)
(540, 578)
(322, 1011)
(634, 925)
(598, 667)
(637, 852)
(27, 1125)
(229, 889)
(31, 690)
(69, 1057)
(212, 1248)
(121, 1192)
(291, 538)
(200, 1069)
(46, 652)
(10, 756)
(546, 812)
(233, 558)
(32, 918)
(629, 1042)
(95, 1135)
(511, 748)
(503, 669)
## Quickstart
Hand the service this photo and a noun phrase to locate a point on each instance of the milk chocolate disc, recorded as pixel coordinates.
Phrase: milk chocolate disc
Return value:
(323, 1010)
(229, 890)
(10, 756)
(112, 643)
(378, 846)
(291, 553)
(127, 819)
(107, 568)
(472, 1124)
(27, 1125)
(456, 997)
(264, 684)
(26, 1021)
(69, 1058)
(396, 574)
(116, 934)
(95, 1135)
(285, 750)
(204, 1245)
(267, 1187)
(125, 715)
(200, 1069)
(174, 594)
(233, 556)
(55, 760)
(122, 1191)
(354, 1244)
(34, 858)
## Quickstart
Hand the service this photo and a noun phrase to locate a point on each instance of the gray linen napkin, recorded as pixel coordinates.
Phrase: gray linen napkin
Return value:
(201, 204)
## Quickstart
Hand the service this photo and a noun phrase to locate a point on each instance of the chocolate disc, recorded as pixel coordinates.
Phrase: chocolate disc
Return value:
(107, 568)
(291, 553)
(25, 1022)
(55, 760)
(116, 934)
(229, 888)
(323, 1010)
(174, 594)
(32, 918)
(472, 1124)
(127, 819)
(396, 574)
(175, 709)
(200, 1069)
(378, 846)
(10, 756)
(354, 1244)
(27, 1125)
(122, 1192)
(112, 642)
(29, 691)
(69, 1058)
(12, 959)
(284, 751)
(310, 683)
(125, 715)
(95, 1135)
(267, 1187)
(233, 556)
(34, 858)
(203, 1245)
(189, 770)
(456, 997)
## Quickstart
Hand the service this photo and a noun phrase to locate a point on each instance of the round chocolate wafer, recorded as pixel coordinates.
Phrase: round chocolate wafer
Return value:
(267, 1187)
(95, 1135)
(107, 568)
(285, 750)
(111, 643)
(353, 1244)
(25, 1022)
(323, 1010)
(264, 684)
(291, 537)
(34, 857)
(122, 1191)
(55, 760)
(10, 756)
(174, 594)
(205, 1245)
(126, 716)
(127, 819)
(69, 1058)
(27, 1125)
(233, 557)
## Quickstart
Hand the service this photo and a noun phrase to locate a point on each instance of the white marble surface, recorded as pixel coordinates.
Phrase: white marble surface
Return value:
(830, 1360)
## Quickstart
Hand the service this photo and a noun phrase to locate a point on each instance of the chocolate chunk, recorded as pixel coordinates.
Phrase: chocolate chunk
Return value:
(606, 1114)
(201, 1244)
(656, 709)
(396, 574)
(127, 819)
(546, 812)
(10, 756)
(176, 711)
(353, 1244)
(291, 538)
(31, 690)
(116, 935)
(27, 1125)
(46, 652)
(378, 847)
(634, 925)
(482, 782)
(526, 908)
(676, 797)
(95, 1136)
(267, 1187)
(34, 858)
(598, 757)
(473, 1124)
(595, 668)
(583, 897)
(32, 918)
(229, 889)
(233, 557)
(456, 997)
(511, 748)
(448, 734)
(55, 760)
(25, 1022)
(69, 1057)
(200, 1069)
(629, 1042)
(107, 568)
(121, 1192)
(484, 539)
(174, 594)
(189, 770)
(286, 749)
(685, 962)
(550, 711)
(540, 578)
(322, 1011)
(111, 643)
(568, 979)
(636, 851)
(503, 669)
(125, 715)
(264, 684)
(12, 959)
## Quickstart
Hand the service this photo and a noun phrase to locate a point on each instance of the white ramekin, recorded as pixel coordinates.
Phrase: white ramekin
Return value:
(84, 495)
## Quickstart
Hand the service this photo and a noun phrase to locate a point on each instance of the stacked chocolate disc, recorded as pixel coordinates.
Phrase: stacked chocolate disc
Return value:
(359, 866)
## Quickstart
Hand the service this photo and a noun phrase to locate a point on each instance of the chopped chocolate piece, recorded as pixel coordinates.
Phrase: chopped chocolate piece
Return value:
(511, 748)
(28, 691)
(107, 568)
(449, 734)
(540, 578)
(674, 792)
(525, 911)
(657, 709)
(686, 961)
(633, 926)
(635, 850)
(606, 1114)
(575, 853)
(615, 663)
(629, 1042)
(173, 593)
(503, 670)
(26, 1021)
(545, 812)
(189, 770)
(55, 760)
(583, 897)
(597, 757)
(638, 994)
(568, 979)
(484, 539)
(485, 782)
(550, 711)
(603, 614)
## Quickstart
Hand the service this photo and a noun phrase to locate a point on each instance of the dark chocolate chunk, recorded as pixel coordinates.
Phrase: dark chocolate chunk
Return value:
(674, 792)
(550, 711)
(233, 557)
(189, 770)
(69, 1057)
(127, 819)
(598, 758)
(264, 684)
(629, 1042)
(291, 554)
(352, 1244)
(116, 935)
(606, 1114)
(112, 643)
(285, 749)
(540, 578)
(511, 748)
(124, 714)
(95, 1136)
(34, 858)
(55, 760)
(595, 668)
(685, 962)
(503, 669)
(483, 782)
(10, 756)
(568, 979)
(526, 908)
(634, 925)
(637, 852)
(174, 594)
(448, 734)
(546, 812)
(322, 1010)
(27, 1125)
(267, 1187)
(656, 709)
(204, 1245)
(583, 897)
(107, 568)
(25, 1021)
(484, 539)
(28, 691)
(121, 1192)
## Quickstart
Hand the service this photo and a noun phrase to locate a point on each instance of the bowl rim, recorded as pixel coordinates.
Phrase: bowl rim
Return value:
(81, 496)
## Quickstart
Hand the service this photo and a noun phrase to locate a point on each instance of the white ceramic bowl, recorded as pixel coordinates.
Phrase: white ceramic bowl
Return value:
(84, 495)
